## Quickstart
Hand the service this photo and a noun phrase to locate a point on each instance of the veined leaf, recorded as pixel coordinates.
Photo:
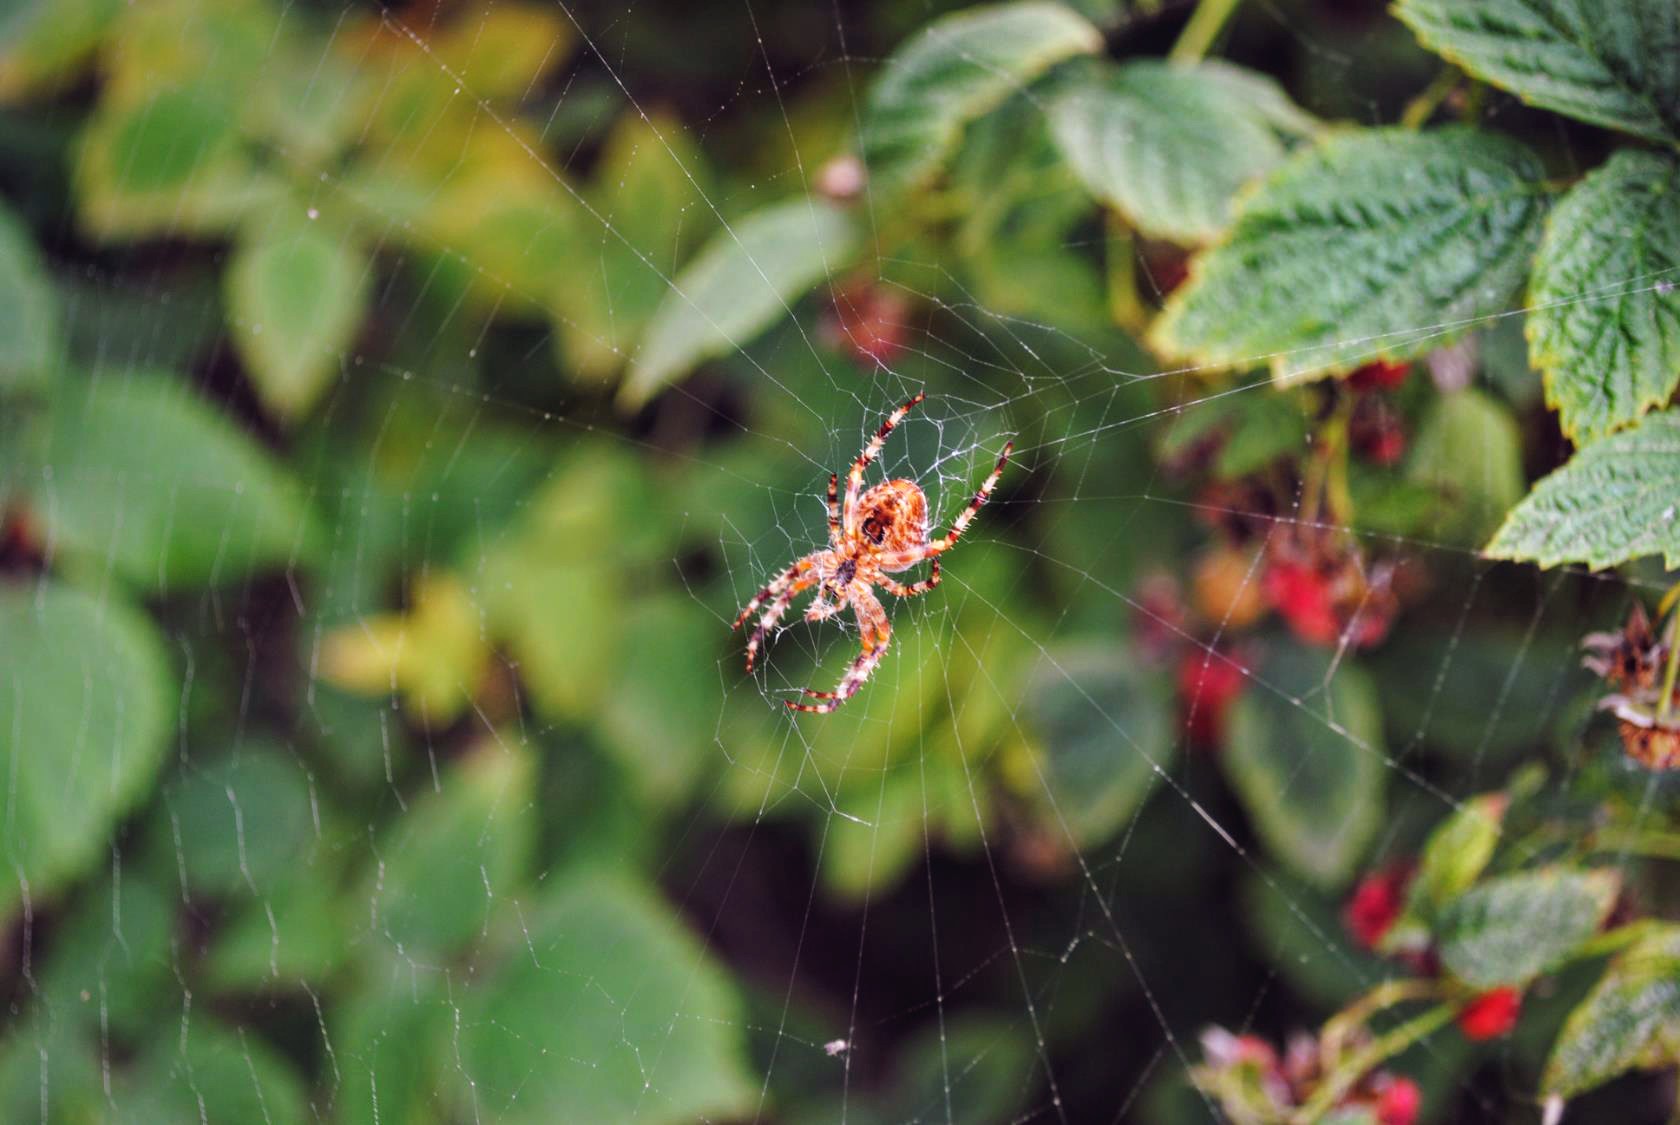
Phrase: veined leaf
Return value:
(1378, 243)
(1631, 1019)
(1509, 930)
(1614, 64)
(958, 68)
(1171, 146)
(1617, 499)
(1605, 325)
(742, 280)
(1469, 451)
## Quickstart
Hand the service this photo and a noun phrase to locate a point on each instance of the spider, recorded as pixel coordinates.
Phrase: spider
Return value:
(881, 532)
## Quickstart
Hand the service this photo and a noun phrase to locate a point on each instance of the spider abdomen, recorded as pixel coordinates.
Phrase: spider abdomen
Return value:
(892, 516)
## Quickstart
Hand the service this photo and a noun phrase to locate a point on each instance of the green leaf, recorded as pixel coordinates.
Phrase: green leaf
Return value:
(1511, 929)
(1105, 730)
(45, 43)
(391, 1035)
(739, 284)
(1252, 427)
(1631, 1019)
(86, 706)
(610, 1011)
(1378, 243)
(111, 961)
(1469, 451)
(959, 67)
(294, 934)
(1310, 773)
(238, 824)
(441, 868)
(29, 319)
(1171, 146)
(657, 717)
(881, 831)
(1615, 500)
(1616, 64)
(205, 1071)
(1605, 325)
(1453, 858)
(141, 476)
(296, 293)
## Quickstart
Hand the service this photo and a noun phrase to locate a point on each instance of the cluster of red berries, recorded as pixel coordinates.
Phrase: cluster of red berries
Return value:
(1376, 431)
(1371, 911)
(1320, 583)
(1248, 1068)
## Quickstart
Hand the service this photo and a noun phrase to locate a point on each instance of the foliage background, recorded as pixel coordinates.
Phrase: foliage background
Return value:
(377, 749)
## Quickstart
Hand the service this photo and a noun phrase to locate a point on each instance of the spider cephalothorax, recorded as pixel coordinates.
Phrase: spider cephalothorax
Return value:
(880, 532)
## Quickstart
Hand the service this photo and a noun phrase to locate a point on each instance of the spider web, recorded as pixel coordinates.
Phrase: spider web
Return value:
(904, 911)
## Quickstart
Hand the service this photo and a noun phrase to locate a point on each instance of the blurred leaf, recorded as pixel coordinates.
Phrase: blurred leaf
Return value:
(561, 1031)
(45, 43)
(957, 68)
(83, 718)
(1171, 146)
(110, 961)
(392, 1032)
(1379, 243)
(1304, 752)
(1605, 325)
(296, 293)
(1301, 933)
(1105, 731)
(1252, 425)
(143, 477)
(295, 934)
(979, 1069)
(435, 655)
(1470, 451)
(659, 716)
(29, 317)
(1616, 65)
(167, 166)
(1510, 929)
(1049, 284)
(205, 1071)
(164, 44)
(1630, 1020)
(305, 106)
(649, 193)
(440, 869)
(71, 1086)
(740, 283)
(503, 49)
(1452, 860)
(1615, 500)
(169, 324)
(237, 825)
(877, 836)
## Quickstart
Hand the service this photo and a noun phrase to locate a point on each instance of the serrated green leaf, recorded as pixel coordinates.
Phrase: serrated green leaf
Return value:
(956, 69)
(140, 475)
(1617, 499)
(560, 1033)
(1452, 859)
(296, 293)
(85, 704)
(29, 319)
(1630, 1020)
(1605, 325)
(1511, 929)
(1469, 451)
(1171, 146)
(1310, 774)
(1104, 727)
(1615, 64)
(1378, 243)
(740, 283)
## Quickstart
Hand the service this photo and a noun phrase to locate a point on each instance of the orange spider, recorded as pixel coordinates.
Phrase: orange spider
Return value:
(879, 533)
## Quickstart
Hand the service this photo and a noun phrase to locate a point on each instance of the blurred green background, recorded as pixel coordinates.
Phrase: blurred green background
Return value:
(396, 405)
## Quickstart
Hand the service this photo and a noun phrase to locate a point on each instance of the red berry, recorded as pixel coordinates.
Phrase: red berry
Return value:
(1381, 375)
(1376, 902)
(1303, 596)
(1207, 683)
(870, 322)
(1385, 447)
(1490, 1015)
(1398, 1102)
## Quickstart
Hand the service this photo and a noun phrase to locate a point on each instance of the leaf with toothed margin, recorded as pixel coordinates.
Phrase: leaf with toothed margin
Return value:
(1379, 243)
(1605, 325)
(1630, 1020)
(1617, 499)
(1508, 930)
(958, 68)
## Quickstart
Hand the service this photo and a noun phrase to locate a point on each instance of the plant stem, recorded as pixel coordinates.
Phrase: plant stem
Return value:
(1420, 109)
(1125, 303)
(1653, 845)
(1349, 1071)
(1385, 995)
(1201, 30)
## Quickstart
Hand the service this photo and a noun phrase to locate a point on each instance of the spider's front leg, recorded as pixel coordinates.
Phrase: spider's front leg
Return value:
(877, 633)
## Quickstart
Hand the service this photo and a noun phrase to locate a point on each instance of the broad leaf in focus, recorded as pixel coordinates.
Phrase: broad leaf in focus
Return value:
(1615, 64)
(1630, 1020)
(1104, 729)
(141, 476)
(1617, 499)
(956, 69)
(743, 280)
(1304, 751)
(296, 292)
(562, 1031)
(29, 317)
(1469, 451)
(44, 43)
(1171, 146)
(1377, 243)
(1510, 929)
(85, 707)
(1605, 325)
